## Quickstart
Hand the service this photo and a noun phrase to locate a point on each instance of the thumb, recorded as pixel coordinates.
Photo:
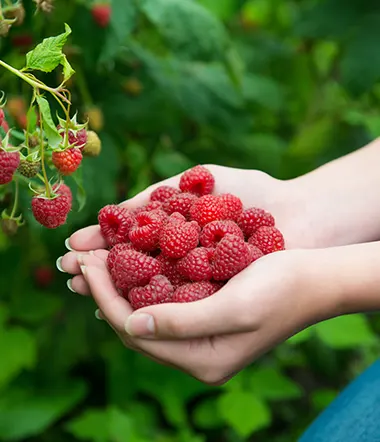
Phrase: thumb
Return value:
(224, 312)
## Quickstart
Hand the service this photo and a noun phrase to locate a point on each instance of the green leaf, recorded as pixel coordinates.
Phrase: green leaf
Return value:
(167, 164)
(321, 399)
(223, 9)
(347, 331)
(25, 413)
(32, 119)
(207, 416)
(249, 416)
(4, 313)
(51, 132)
(269, 383)
(123, 21)
(189, 29)
(264, 91)
(18, 352)
(48, 55)
(35, 306)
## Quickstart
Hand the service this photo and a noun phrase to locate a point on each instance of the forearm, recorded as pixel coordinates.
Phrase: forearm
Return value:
(340, 201)
(346, 278)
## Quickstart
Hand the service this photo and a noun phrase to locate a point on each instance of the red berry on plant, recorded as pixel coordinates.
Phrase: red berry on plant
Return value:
(9, 162)
(67, 161)
(101, 14)
(51, 212)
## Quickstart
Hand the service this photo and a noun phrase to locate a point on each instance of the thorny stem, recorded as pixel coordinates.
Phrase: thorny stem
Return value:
(34, 83)
(16, 199)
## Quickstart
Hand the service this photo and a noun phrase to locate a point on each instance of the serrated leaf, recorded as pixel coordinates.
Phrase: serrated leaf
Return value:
(189, 29)
(48, 55)
(346, 332)
(269, 383)
(18, 351)
(51, 132)
(25, 413)
(249, 416)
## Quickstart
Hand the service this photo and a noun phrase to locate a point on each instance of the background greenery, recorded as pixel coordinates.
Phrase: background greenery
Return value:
(278, 85)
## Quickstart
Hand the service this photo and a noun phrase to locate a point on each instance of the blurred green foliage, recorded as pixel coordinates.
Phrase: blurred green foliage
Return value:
(282, 86)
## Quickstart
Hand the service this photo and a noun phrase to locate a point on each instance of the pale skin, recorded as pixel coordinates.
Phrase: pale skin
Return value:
(331, 222)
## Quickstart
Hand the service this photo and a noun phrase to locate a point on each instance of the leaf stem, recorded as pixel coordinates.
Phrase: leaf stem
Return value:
(16, 198)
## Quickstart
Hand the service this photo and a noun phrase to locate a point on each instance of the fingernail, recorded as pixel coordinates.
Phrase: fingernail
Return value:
(70, 286)
(67, 245)
(58, 264)
(83, 270)
(140, 324)
(97, 315)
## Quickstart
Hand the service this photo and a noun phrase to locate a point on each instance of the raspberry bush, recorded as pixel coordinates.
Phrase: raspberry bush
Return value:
(161, 86)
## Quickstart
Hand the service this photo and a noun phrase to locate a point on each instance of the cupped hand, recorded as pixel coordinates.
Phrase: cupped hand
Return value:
(255, 189)
(214, 338)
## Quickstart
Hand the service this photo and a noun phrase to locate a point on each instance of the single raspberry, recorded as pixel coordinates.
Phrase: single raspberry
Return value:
(254, 253)
(198, 180)
(51, 213)
(169, 269)
(92, 146)
(29, 169)
(115, 223)
(208, 208)
(268, 239)
(63, 189)
(9, 226)
(233, 204)
(213, 232)
(176, 218)
(9, 162)
(163, 193)
(44, 276)
(101, 14)
(132, 268)
(177, 239)
(67, 161)
(76, 139)
(114, 252)
(152, 205)
(195, 291)
(196, 265)
(231, 256)
(2, 117)
(145, 232)
(158, 291)
(251, 219)
(180, 203)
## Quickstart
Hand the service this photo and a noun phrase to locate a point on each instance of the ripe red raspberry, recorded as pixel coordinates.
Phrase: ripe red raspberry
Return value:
(196, 265)
(115, 223)
(63, 189)
(51, 213)
(2, 117)
(198, 180)
(67, 161)
(213, 232)
(114, 252)
(145, 232)
(177, 239)
(231, 256)
(163, 193)
(251, 219)
(9, 162)
(153, 205)
(169, 269)
(233, 204)
(44, 276)
(195, 291)
(254, 253)
(132, 268)
(158, 291)
(180, 203)
(101, 14)
(79, 139)
(176, 218)
(268, 239)
(208, 208)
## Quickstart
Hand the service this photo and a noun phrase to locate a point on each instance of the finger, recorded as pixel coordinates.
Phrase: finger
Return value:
(225, 312)
(86, 239)
(79, 285)
(71, 262)
(115, 308)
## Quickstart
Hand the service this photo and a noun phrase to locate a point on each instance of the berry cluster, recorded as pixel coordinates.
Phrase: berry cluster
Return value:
(186, 243)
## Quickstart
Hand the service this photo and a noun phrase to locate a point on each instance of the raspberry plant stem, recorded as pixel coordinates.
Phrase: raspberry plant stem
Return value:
(16, 199)
(42, 155)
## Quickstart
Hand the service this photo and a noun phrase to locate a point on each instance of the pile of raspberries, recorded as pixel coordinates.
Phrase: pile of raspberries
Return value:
(186, 243)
